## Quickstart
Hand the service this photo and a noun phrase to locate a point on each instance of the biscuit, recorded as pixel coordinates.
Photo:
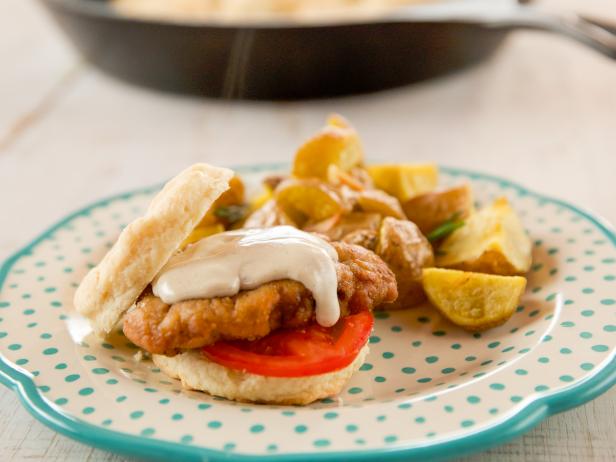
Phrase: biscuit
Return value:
(147, 243)
(196, 372)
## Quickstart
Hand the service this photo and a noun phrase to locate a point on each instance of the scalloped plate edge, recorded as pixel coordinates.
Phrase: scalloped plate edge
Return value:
(516, 424)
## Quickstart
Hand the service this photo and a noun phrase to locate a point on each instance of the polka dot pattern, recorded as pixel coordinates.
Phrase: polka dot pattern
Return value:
(415, 385)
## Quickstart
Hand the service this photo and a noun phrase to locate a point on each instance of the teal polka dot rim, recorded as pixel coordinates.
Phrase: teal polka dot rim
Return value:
(427, 389)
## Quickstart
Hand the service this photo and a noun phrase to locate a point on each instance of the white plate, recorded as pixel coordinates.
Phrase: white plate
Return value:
(428, 389)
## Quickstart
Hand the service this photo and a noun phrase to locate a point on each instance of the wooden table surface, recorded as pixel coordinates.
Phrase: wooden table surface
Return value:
(541, 112)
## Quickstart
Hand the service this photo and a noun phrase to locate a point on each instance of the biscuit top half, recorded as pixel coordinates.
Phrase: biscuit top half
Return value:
(146, 244)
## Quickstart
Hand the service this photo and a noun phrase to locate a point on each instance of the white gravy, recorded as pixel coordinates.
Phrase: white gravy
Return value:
(223, 264)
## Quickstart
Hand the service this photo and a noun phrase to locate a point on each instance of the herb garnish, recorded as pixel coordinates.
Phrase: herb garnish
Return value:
(231, 213)
(446, 228)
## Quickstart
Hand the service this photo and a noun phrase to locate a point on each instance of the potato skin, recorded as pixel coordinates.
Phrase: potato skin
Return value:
(474, 301)
(492, 241)
(430, 210)
(336, 144)
(406, 251)
(367, 238)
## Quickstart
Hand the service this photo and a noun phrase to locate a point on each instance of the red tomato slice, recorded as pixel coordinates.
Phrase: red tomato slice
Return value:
(310, 350)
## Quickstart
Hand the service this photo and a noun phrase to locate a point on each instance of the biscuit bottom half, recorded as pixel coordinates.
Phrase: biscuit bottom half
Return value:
(196, 372)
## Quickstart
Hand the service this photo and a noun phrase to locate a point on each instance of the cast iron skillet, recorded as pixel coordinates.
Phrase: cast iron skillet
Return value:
(292, 61)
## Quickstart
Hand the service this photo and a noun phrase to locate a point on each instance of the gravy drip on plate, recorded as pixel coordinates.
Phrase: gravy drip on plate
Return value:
(223, 264)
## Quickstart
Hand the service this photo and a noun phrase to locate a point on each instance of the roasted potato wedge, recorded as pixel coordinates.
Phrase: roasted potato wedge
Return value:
(336, 144)
(406, 251)
(270, 214)
(377, 201)
(338, 177)
(259, 201)
(367, 238)
(430, 210)
(492, 240)
(271, 182)
(336, 120)
(474, 301)
(404, 181)
(324, 226)
(309, 200)
(234, 195)
(202, 231)
(361, 175)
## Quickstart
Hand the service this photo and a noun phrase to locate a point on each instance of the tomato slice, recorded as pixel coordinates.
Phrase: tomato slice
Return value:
(300, 352)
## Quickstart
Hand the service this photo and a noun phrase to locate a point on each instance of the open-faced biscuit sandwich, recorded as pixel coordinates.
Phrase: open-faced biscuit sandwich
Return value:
(274, 315)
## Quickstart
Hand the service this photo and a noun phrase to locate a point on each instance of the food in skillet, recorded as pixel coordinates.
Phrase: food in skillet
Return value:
(242, 10)
(269, 299)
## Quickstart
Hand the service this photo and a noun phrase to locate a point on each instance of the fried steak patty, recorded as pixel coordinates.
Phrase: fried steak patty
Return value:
(364, 282)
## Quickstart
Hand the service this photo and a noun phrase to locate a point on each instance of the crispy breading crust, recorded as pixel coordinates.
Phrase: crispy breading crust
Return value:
(196, 372)
(364, 281)
(146, 244)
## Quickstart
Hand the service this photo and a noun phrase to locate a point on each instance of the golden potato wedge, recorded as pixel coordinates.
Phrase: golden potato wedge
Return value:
(406, 251)
(377, 201)
(270, 214)
(404, 181)
(492, 240)
(474, 301)
(430, 210)
(202, 231)
(337, 143)
(309, 200)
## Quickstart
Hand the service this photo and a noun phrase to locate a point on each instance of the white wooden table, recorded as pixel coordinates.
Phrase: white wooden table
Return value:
(542, 112)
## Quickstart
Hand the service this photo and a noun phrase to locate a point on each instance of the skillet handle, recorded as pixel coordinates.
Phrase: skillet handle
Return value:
(597, 35)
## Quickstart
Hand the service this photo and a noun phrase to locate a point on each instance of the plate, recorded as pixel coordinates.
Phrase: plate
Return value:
(428, 388)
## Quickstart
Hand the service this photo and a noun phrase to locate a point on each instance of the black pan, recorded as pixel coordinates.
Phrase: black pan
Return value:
(293, 61)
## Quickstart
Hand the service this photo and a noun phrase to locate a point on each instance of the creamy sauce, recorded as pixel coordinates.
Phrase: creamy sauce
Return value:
(223, 264)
